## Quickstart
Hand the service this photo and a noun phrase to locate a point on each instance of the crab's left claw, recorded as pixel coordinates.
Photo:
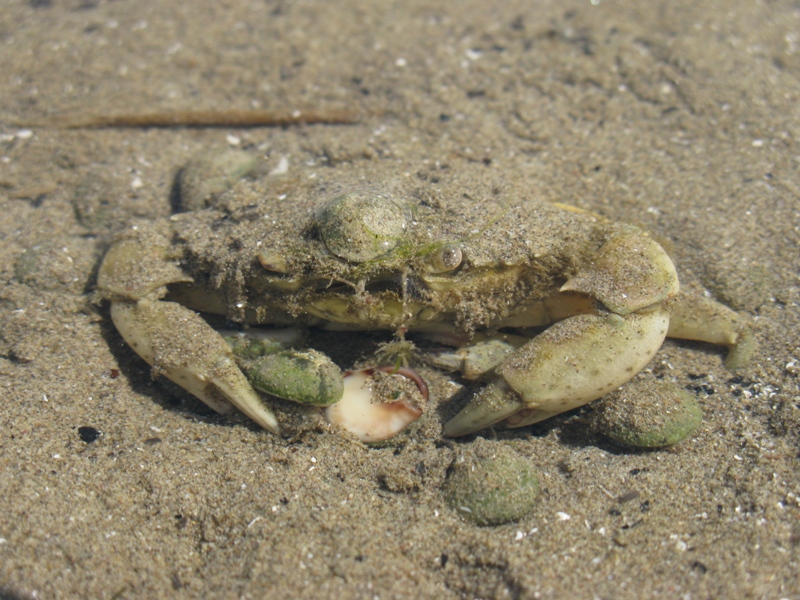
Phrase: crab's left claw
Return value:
(185, 349)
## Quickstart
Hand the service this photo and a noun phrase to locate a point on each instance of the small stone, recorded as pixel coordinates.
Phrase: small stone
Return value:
(648, 414)
(491, 484)
(793, 367)
(89, 434)
(50, 266)
(305, 377)
(98, 201)
(740, 354)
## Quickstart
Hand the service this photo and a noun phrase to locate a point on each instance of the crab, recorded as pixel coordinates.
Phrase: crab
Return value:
(549, 305)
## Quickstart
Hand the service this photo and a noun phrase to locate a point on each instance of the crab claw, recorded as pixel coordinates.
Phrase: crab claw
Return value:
(492, 404)
(199, 360)
(573, 362)
(585, 356)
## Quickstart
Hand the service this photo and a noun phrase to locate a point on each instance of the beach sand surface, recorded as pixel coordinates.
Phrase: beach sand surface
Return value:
(679, 117)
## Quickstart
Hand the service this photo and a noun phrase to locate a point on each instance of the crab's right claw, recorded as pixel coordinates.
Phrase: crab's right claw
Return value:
(492, 404)
(184, 348)
(573, 362)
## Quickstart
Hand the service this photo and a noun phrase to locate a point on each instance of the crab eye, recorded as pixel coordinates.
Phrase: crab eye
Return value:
(361, 226)
(272, 261)
(445, 258)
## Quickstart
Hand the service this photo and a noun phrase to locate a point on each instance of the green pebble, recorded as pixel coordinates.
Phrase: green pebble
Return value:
(359, 227)
(306, 377)
(490, 484)
(648, 414)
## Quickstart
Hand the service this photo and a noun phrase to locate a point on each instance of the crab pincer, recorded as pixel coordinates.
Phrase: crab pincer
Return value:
(585, 356)
(175, 340)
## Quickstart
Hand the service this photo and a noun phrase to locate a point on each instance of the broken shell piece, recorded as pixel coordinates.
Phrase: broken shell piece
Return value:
(363, 415)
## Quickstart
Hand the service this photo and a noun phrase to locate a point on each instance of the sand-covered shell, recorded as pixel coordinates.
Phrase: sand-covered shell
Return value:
(648, 414)
(491, 484)
(361, 226)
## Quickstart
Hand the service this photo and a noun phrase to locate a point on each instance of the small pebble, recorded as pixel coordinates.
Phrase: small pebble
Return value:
(648, 414)
(50, 266)
(89, 434)
(306, 377)
(491, 484)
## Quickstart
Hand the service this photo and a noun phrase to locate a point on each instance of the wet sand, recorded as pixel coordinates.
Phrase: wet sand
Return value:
(678, 117)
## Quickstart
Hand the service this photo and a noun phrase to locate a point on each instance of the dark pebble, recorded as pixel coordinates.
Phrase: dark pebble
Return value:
(89, 434)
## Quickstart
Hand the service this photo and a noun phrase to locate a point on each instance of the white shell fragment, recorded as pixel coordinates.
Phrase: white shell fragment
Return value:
(369, 420)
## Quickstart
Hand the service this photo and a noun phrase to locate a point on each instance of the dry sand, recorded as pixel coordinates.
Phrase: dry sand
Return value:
(682, 117)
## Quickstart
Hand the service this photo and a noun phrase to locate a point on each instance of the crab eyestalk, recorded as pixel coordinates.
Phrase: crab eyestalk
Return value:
(444, 258)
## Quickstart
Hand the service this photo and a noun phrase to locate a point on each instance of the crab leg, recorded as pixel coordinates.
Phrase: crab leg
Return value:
(704, 320)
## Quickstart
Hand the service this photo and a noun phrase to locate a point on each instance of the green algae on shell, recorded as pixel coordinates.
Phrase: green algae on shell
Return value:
(648, 414)
(491, 484)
